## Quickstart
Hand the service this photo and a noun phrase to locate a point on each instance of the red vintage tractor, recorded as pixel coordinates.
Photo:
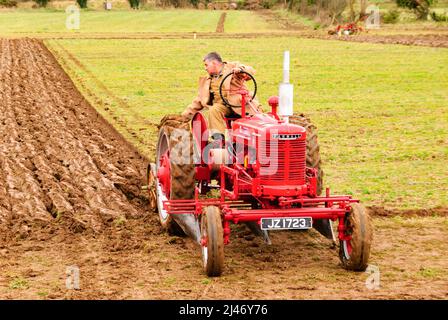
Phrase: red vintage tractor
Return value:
(266, 173)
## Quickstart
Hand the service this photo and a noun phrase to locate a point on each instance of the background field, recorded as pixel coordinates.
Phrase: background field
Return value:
(40, 22)
(381, 109)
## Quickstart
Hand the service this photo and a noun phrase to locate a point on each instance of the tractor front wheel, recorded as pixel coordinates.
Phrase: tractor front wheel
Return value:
(212, 241)
(354, 253)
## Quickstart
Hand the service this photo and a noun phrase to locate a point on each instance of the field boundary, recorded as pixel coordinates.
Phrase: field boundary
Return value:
(60, 59)
(423, 40)
(99, 115)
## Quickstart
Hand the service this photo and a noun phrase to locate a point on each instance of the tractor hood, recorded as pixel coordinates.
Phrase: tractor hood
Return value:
(267, 128)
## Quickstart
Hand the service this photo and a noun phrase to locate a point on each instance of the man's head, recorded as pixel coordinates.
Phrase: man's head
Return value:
(213, 63)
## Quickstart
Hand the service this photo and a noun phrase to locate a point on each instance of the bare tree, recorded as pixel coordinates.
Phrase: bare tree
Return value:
(318, 8)
(303, 5)
(335, 9)
(363, 4)
(351, 3)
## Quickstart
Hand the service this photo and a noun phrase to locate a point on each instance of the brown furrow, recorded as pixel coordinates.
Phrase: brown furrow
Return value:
(60, 158)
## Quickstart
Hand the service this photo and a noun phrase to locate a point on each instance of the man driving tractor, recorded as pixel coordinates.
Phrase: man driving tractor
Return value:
(209, 96)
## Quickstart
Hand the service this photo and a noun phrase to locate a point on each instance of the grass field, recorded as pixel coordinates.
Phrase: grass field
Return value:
(381, 109)
(44, 21)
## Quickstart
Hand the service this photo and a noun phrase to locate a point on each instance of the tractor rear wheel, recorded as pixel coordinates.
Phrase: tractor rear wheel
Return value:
(175, 152)
(324, 226)
(312, 147)
(354, 253)
(151, 183)
(212, 241)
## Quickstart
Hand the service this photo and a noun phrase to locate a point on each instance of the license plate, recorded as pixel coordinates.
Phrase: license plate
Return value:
(286, 223)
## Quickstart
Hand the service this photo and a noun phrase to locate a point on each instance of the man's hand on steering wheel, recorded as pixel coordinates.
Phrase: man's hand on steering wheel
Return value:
(239, 72)
(244, 75)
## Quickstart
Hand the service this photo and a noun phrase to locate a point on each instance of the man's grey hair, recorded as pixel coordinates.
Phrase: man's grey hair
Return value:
(212, 56)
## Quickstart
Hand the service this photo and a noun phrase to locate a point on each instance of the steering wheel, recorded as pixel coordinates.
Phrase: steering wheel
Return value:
(237, 90)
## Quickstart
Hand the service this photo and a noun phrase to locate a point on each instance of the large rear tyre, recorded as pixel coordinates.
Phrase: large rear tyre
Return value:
(354, 254)
(212, 241)
(151, 183)
(312, 147)
(174, 153)
(324, 226)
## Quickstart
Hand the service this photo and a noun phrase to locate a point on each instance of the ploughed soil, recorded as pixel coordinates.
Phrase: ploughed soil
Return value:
(427, 40)
(70, 200)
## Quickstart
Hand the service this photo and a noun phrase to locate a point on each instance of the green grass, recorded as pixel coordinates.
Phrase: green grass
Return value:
(18, 283)
(41, 22)
(247, 22)
(52, 22)
(295, 18)
(380, 109)
(430, 272)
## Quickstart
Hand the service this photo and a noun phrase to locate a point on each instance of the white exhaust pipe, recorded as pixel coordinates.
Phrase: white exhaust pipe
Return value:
(286, 92)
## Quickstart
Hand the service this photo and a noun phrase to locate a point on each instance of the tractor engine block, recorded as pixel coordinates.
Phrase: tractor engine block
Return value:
(279, 165)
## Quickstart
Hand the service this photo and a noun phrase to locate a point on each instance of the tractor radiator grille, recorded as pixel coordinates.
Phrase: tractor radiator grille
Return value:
(284, 162)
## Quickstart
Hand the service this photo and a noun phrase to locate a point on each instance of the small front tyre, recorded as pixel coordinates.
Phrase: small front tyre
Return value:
(212, 241)
(354, 253)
